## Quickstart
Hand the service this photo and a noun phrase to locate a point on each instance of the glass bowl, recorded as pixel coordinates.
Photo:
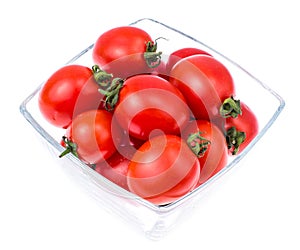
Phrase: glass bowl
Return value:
(152, 219)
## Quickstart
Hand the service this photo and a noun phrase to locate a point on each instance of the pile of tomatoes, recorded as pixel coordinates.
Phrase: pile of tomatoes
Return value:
(157, 128)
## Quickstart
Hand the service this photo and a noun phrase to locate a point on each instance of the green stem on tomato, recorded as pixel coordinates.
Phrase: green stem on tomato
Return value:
(230, 108)
(112, 93)
(198, 144)
(234, 139)
(102, 78)
(152, 57)
(71, 147)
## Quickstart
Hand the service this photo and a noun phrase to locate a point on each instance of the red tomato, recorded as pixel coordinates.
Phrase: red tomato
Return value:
(149, 103)
(93, 135)
(240, 131)
(125, 51)
(163, 170)
(115, 169)
(204, 82)
(208, 142)
(182, 53)
(70, 91)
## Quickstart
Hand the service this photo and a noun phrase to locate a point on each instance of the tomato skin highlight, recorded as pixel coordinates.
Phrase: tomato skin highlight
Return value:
(182, 53)
(95, 135)
(215, 157)
(68, 92)
(199, 93)
(163, 169)
(217, 73)
(149, 104)
(205, 83)
(120, 51)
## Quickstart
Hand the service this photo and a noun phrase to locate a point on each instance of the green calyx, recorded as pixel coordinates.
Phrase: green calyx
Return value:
(152, 57)
(230, 108)
(102, 78)
(71, 147)
(234, 139)
(112, 93)
(198, 144)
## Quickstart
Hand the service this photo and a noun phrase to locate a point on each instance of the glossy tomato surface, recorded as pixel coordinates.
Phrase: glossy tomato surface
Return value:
(68, 92)
(163, 170)
(205, 83)
(120, 51)
(94, 135)
(182, 53)
(149, 104)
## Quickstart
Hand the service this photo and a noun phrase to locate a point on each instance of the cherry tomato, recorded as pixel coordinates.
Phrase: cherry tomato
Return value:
(68, 92)
(125, 51)
(208, 142)
(182, 53)
(92, 136)
(163, 170)
(205, 83)
(241, 130)
(115, 169)
(148, 104)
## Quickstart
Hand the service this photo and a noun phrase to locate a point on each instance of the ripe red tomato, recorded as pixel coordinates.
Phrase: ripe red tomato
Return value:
(125, 51)
(182, 53)
(93, 135)
(208, 142)
(163, 170)
(241, 130)
(205, 83)
(115, 169)
(149, 103)
(68, 92)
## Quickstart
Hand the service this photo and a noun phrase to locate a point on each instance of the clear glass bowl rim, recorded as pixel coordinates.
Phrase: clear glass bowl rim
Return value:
(166, 208)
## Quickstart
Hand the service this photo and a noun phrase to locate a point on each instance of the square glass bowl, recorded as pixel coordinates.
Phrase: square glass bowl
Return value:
(154, 220)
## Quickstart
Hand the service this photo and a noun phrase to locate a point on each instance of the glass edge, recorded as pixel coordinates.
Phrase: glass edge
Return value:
(24, 111)
(274, 93)
(239, 157)
(173, 205)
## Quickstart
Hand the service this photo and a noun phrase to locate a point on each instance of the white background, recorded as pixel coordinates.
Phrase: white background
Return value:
(255, 206)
